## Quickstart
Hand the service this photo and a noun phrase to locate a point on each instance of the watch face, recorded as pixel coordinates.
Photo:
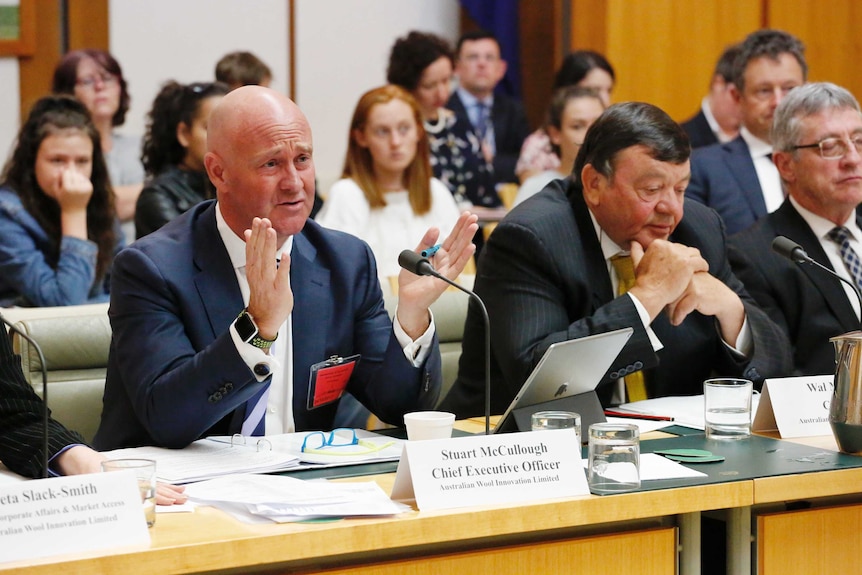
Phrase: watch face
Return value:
(245, 326)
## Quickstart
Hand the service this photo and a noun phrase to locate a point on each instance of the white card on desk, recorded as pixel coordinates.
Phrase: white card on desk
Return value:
(795, 406)
(71, 514)
(490, 469)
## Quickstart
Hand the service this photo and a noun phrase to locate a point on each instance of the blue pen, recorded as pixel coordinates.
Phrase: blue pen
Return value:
(430, 251)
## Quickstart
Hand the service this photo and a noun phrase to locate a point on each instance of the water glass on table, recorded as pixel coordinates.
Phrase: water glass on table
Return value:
(727, 408)
(614, 458)
(145, 473)
(555, 420)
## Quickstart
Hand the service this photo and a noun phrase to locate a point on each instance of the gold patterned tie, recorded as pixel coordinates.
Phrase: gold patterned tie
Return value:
(635, 382)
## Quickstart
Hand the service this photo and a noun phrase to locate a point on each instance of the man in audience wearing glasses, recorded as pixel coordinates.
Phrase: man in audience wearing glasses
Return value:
(817, 138)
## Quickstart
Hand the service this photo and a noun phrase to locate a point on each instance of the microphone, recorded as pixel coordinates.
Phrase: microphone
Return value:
(38, 349)
(789, 249)
(416, 264)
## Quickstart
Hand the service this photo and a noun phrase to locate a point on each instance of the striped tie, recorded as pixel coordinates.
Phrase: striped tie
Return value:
(841, 236)
(635, 382)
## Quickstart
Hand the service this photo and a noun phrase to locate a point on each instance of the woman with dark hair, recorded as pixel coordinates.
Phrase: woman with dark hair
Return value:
(584, 69)
(422, 64)
(95, 78)
(58, 232)
(571, 113)
(388, 196)
(173, 155)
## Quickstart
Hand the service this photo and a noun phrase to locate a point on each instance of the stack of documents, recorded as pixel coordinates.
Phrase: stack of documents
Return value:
(217, 456)
(266, 498)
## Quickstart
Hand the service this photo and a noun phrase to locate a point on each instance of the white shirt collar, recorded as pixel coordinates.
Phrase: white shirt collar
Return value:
(236, 246)
(609, 246)
(756, 147)
(821, 226)
(470, 101)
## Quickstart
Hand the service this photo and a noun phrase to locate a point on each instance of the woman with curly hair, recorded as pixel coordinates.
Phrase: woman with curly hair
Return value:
(422, 64)
(173, 155)
(58, 228)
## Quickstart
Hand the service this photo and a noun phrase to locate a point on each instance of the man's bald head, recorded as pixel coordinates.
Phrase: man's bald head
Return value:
(259, 160)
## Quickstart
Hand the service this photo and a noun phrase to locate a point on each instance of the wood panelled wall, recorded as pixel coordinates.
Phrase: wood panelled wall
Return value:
(664, 51)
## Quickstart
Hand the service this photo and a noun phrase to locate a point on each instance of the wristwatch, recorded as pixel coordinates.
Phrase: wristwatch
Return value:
(248, 332)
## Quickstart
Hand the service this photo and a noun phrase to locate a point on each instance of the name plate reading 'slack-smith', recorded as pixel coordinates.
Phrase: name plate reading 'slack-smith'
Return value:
(70, 514)
(795, 406)
(490, 469)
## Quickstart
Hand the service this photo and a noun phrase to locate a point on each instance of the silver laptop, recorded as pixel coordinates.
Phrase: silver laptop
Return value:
(568, 368)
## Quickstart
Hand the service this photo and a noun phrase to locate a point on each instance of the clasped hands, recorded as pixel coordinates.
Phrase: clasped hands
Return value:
(675, 278)
(271, 299)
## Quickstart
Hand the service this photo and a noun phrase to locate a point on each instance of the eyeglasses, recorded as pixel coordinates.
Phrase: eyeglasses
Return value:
(834, 148)
(90, 81)
(327, 443)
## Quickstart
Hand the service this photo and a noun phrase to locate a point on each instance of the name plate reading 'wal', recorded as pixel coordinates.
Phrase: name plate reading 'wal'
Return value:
(490, 469)
(70, 514)
(795, 406)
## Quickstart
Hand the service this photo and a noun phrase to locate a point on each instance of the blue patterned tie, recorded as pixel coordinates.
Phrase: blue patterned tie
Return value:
(484, 117)
(841, 236)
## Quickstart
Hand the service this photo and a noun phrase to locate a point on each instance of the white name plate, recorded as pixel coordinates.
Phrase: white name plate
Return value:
(70, 515)
(795, 406)
(490, 469)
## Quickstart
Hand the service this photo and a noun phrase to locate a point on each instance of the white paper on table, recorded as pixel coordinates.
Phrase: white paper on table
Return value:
(654, 466)
(644, 425)
(685, 410)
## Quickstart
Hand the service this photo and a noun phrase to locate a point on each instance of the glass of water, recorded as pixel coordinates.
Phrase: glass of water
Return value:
(727, 408)
(145, 472)
(614, 458)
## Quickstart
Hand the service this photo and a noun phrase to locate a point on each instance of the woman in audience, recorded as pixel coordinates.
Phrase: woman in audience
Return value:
(388, 196)
(173, 155)
(571, 113)
(583, 68)
(58, 232)
(96, 79)
(422, 64)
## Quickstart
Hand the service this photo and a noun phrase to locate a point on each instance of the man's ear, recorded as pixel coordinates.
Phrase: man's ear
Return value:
(215, 169)
(735, 93)
(502, 66)
(786, 165)
(593, 183)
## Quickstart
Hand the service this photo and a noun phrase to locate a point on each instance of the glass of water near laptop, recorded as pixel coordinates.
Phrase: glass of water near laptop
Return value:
(613, 464)
(727, 408)
(556, 420)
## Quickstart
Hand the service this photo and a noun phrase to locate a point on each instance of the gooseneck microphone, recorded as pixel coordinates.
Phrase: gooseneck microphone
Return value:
(416, 264)
(786, 247)
(38, 349)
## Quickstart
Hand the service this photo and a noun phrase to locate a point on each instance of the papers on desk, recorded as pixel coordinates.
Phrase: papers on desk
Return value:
(266, 498)
(217, 456)
(653, 466)
(685, 410)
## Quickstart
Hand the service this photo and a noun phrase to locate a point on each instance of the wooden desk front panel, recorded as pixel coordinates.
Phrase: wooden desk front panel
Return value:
(647, 552)
(822, 540)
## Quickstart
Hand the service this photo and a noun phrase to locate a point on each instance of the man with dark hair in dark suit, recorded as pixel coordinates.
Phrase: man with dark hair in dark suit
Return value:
(499, 121)
(817, 137)
(718, 118)
(549, 274)
(738, 179)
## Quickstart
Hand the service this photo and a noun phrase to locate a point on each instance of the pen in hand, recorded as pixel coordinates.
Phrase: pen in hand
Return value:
(428, 252)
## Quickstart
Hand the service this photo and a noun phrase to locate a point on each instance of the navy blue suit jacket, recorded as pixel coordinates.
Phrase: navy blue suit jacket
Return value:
(510, 131)
(808, 303)
(544, 279)
(174, 374)
(699, 131)
(723, 177)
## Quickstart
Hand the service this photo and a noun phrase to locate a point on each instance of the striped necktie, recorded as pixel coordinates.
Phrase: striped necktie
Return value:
(841, 236)
(635, 382)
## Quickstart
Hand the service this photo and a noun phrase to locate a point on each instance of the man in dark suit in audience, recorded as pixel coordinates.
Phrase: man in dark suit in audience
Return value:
(549, 273)
(817, 137)
(718, 118)
(499, 121)
(738, 179)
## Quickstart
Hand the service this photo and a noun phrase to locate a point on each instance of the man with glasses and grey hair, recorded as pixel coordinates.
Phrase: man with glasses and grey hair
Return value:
(738, 179)
(817, 138)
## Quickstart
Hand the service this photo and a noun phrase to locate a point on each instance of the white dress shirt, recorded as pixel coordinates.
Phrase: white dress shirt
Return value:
(767, 173)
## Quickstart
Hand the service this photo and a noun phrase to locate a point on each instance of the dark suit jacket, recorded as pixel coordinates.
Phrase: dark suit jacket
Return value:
(21, 419)
(808, 303)
(723, 177)
(174, 374)
(544, 279)
(510, 131)
(699, 131)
